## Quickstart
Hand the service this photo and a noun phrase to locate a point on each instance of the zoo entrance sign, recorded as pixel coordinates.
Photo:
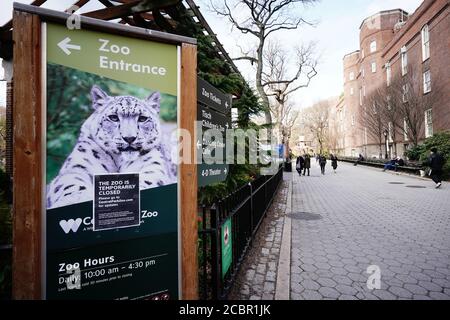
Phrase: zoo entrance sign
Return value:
(111, 213)
(121, 207)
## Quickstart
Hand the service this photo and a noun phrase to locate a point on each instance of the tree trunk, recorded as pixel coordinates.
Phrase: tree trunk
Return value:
(259, 86)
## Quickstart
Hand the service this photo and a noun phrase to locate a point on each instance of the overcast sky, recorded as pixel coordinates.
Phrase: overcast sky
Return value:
(336, 33)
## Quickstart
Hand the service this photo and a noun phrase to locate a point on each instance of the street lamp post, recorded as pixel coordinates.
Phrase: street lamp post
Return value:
(385, 133)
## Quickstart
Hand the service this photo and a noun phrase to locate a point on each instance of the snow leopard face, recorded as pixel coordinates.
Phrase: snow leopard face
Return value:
(124, 124)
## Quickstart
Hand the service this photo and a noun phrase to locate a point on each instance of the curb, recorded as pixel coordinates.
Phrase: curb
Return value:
(283, 286)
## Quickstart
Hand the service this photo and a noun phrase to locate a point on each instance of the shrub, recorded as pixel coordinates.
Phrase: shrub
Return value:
(441, 141)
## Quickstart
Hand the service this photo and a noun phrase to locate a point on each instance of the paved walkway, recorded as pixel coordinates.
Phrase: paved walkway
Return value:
(258, 273)
(343, 223)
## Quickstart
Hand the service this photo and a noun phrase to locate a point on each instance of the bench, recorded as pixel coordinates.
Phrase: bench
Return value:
(409, 167)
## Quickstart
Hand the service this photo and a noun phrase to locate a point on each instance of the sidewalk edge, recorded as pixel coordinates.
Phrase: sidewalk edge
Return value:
(283, 285)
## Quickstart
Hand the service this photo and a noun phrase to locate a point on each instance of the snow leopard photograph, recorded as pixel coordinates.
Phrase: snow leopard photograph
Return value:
(102, 126)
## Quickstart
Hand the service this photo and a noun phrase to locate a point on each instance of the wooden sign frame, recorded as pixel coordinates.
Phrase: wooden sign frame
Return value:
(29, 170)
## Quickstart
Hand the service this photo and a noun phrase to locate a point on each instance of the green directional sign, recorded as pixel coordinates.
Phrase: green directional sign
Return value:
(116, 57)
(209, 173)
(227, 247)
(111, 224)
(213, 97)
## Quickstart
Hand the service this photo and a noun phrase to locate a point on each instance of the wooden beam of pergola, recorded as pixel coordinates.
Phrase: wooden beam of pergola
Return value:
(80, 3)
(114, 12)
(150, 5)
(132, 8)
(7, 26)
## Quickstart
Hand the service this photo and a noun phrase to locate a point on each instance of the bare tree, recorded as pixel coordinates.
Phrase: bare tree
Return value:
(285, 118)
(383, 116)
(279, 83)
(316, 120)
(391, 114)
(260, 19)
(334, 136)
(373, 117)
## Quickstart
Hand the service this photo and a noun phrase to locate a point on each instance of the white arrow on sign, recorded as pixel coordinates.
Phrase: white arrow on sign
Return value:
(225, 170)
(64, 45)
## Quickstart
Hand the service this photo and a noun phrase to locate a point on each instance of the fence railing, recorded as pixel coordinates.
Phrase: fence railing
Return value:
(246, 209)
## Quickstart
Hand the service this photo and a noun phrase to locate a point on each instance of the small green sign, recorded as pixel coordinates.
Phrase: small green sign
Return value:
(227, 247)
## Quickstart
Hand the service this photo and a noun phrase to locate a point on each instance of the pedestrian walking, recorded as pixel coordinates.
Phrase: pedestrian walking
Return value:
(299, 165)
(323, 163)
(436, 163)
(334, 162)
(307, 165)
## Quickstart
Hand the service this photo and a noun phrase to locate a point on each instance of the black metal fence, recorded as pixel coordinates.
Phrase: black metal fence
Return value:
(246, 208)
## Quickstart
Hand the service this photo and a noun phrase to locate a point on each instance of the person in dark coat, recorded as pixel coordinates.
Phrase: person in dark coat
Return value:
(360, 158)
(299, 165)
(436, 163)
(334, 162)
(323, 163)
(307, 165)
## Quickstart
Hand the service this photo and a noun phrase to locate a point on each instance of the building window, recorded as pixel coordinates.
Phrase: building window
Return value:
(428, 123)
(427, 81)
(360, 97)
(388, 74)
(404, 56)
(405, 130)
(362, 72)
(405, 93)
(374, 67)
(373, 46)
(351, 91)
(425, 43)
(353, 121)
(352, 76)
(364, 91)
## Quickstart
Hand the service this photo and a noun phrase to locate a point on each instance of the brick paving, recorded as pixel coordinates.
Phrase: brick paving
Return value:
(258, 273)
(343, 223)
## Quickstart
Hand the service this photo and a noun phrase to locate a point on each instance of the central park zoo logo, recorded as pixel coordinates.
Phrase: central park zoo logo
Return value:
(73, 225)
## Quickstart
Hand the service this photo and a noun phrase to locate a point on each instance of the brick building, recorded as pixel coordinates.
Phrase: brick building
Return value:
(391, 43)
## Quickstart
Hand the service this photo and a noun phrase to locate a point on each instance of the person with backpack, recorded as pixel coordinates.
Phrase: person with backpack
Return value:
(436, 162)
(334, 161)
(323, 163)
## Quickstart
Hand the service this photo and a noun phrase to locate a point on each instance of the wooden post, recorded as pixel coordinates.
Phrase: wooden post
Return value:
(29, 171)
(27, 157)
(188, 172)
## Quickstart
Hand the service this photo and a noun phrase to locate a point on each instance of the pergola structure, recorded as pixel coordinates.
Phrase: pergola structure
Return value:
(181, 17)
(161, 15)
